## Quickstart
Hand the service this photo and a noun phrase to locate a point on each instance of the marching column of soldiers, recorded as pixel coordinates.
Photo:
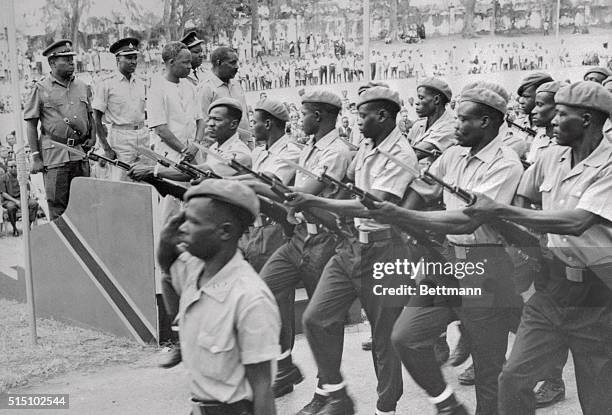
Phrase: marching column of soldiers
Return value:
(529, 199)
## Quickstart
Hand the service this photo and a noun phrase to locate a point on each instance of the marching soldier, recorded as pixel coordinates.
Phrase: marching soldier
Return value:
(228, 320)
(303, 257)
(197, 55)
(435, 130)
(62, 105)
(597, 74)
(270, 118)
(518, 140)
(572, 181)
(479, 162)
(348, 274)
(119, 100)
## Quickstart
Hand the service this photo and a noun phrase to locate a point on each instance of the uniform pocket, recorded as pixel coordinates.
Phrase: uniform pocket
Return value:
(218, 355)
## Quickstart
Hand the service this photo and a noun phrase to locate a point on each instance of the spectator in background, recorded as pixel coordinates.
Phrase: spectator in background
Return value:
(10, 195)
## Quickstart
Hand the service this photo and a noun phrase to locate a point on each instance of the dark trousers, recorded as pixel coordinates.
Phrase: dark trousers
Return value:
(347, 276)
(332, 74)
(372, 71)
(566, 315)
(487, 320)
(171, 302)
(12, 209)
(322, 73)
(301, 259)
(57, 185)
(261, 243)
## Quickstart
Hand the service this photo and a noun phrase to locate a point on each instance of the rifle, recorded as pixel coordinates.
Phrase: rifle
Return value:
(163, 186)
(273, 210)
(513, 234)
(524, 129)
(433, 154)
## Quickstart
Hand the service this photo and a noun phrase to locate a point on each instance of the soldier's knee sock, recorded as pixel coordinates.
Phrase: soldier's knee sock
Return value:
(445, 399)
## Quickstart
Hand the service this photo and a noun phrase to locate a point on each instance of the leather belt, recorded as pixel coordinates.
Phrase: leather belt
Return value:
(375, 236)
(138, 126)
(463, 251)
(70, 142)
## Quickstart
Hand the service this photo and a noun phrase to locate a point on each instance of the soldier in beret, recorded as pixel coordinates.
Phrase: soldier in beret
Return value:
(435, 130)
(62, 104)
(303, 257)
(270, 119)
(119, 100)
(348, 274)
(228, 318)
(480, 161)
(197, 55)
(572, 311)
(597, 74)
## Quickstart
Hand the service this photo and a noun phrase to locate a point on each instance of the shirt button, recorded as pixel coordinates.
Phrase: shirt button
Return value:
(564, 239)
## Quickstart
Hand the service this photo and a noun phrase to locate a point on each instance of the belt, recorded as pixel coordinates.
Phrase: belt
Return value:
(375, 236)
(70, 142)
(242, 407)
(463, 251)
(137, 126)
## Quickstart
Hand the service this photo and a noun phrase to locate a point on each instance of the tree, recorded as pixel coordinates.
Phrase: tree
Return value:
(468, 18)
(64, 16)
(254, 23)
(393, 5)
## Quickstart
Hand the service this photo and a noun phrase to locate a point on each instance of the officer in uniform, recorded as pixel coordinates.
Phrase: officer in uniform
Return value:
(597, 74)
(62, 105)
(303, 257)
(479, 163)
(270, 118)
(228, 320)
(197, 55)
(119, 101)
(573, 310)
(435, 130)
(348, 275)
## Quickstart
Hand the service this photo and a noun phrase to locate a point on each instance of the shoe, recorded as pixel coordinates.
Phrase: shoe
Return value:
(285, 379)
(462, 351)
(441, 350)
(338, 404)
(16, 232)
(314, 407)
(468, 376)
(367, 345)
(550, 391)
(173, 357)
(457, 409)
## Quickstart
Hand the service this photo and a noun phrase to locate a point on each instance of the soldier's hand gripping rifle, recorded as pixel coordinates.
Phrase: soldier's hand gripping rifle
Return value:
(513, 234)
(524, 129)
(163, 186)
(188, 169)
(434, 154)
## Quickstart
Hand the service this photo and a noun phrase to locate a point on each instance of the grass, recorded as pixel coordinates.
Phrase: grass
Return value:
(61, 348)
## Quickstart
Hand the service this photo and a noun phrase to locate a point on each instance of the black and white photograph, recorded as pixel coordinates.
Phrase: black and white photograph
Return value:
(306, 207)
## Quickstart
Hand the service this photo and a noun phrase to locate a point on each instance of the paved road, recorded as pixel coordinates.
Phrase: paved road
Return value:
(142, 388)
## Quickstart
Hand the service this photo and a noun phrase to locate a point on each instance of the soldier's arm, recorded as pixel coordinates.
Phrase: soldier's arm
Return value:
(168, 251)
(260, 378)
(102, 134)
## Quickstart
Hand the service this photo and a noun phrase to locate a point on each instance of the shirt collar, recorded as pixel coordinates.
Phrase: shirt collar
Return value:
(219, 286)
(122, 77)
(59, 82)
(326, 140)
(488, 153)
(600, 155)
(278, 144)
(228, 143)
(389, 141)
(217, 81)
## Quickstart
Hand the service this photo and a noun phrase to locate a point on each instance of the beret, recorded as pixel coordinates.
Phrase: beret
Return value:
(191, 39)
(323, 97)
(598, 69)
(551, 87)
(607, 83)
(226, 102)
(535, 79)
(229, 191)
(125, 46)
(497, 88)
(62, 47)
(437, 84)
(379, 93)
(585, 94)
(275, 108)
(370, 85)
(486, 97)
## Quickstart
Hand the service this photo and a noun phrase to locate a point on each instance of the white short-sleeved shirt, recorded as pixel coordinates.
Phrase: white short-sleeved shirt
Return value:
(269, 160)
(121, 100)
(441, 134)
(229, 322)
(372, 170)
(232, 148)
(177, 106)
(494, 171)
(587, 186)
